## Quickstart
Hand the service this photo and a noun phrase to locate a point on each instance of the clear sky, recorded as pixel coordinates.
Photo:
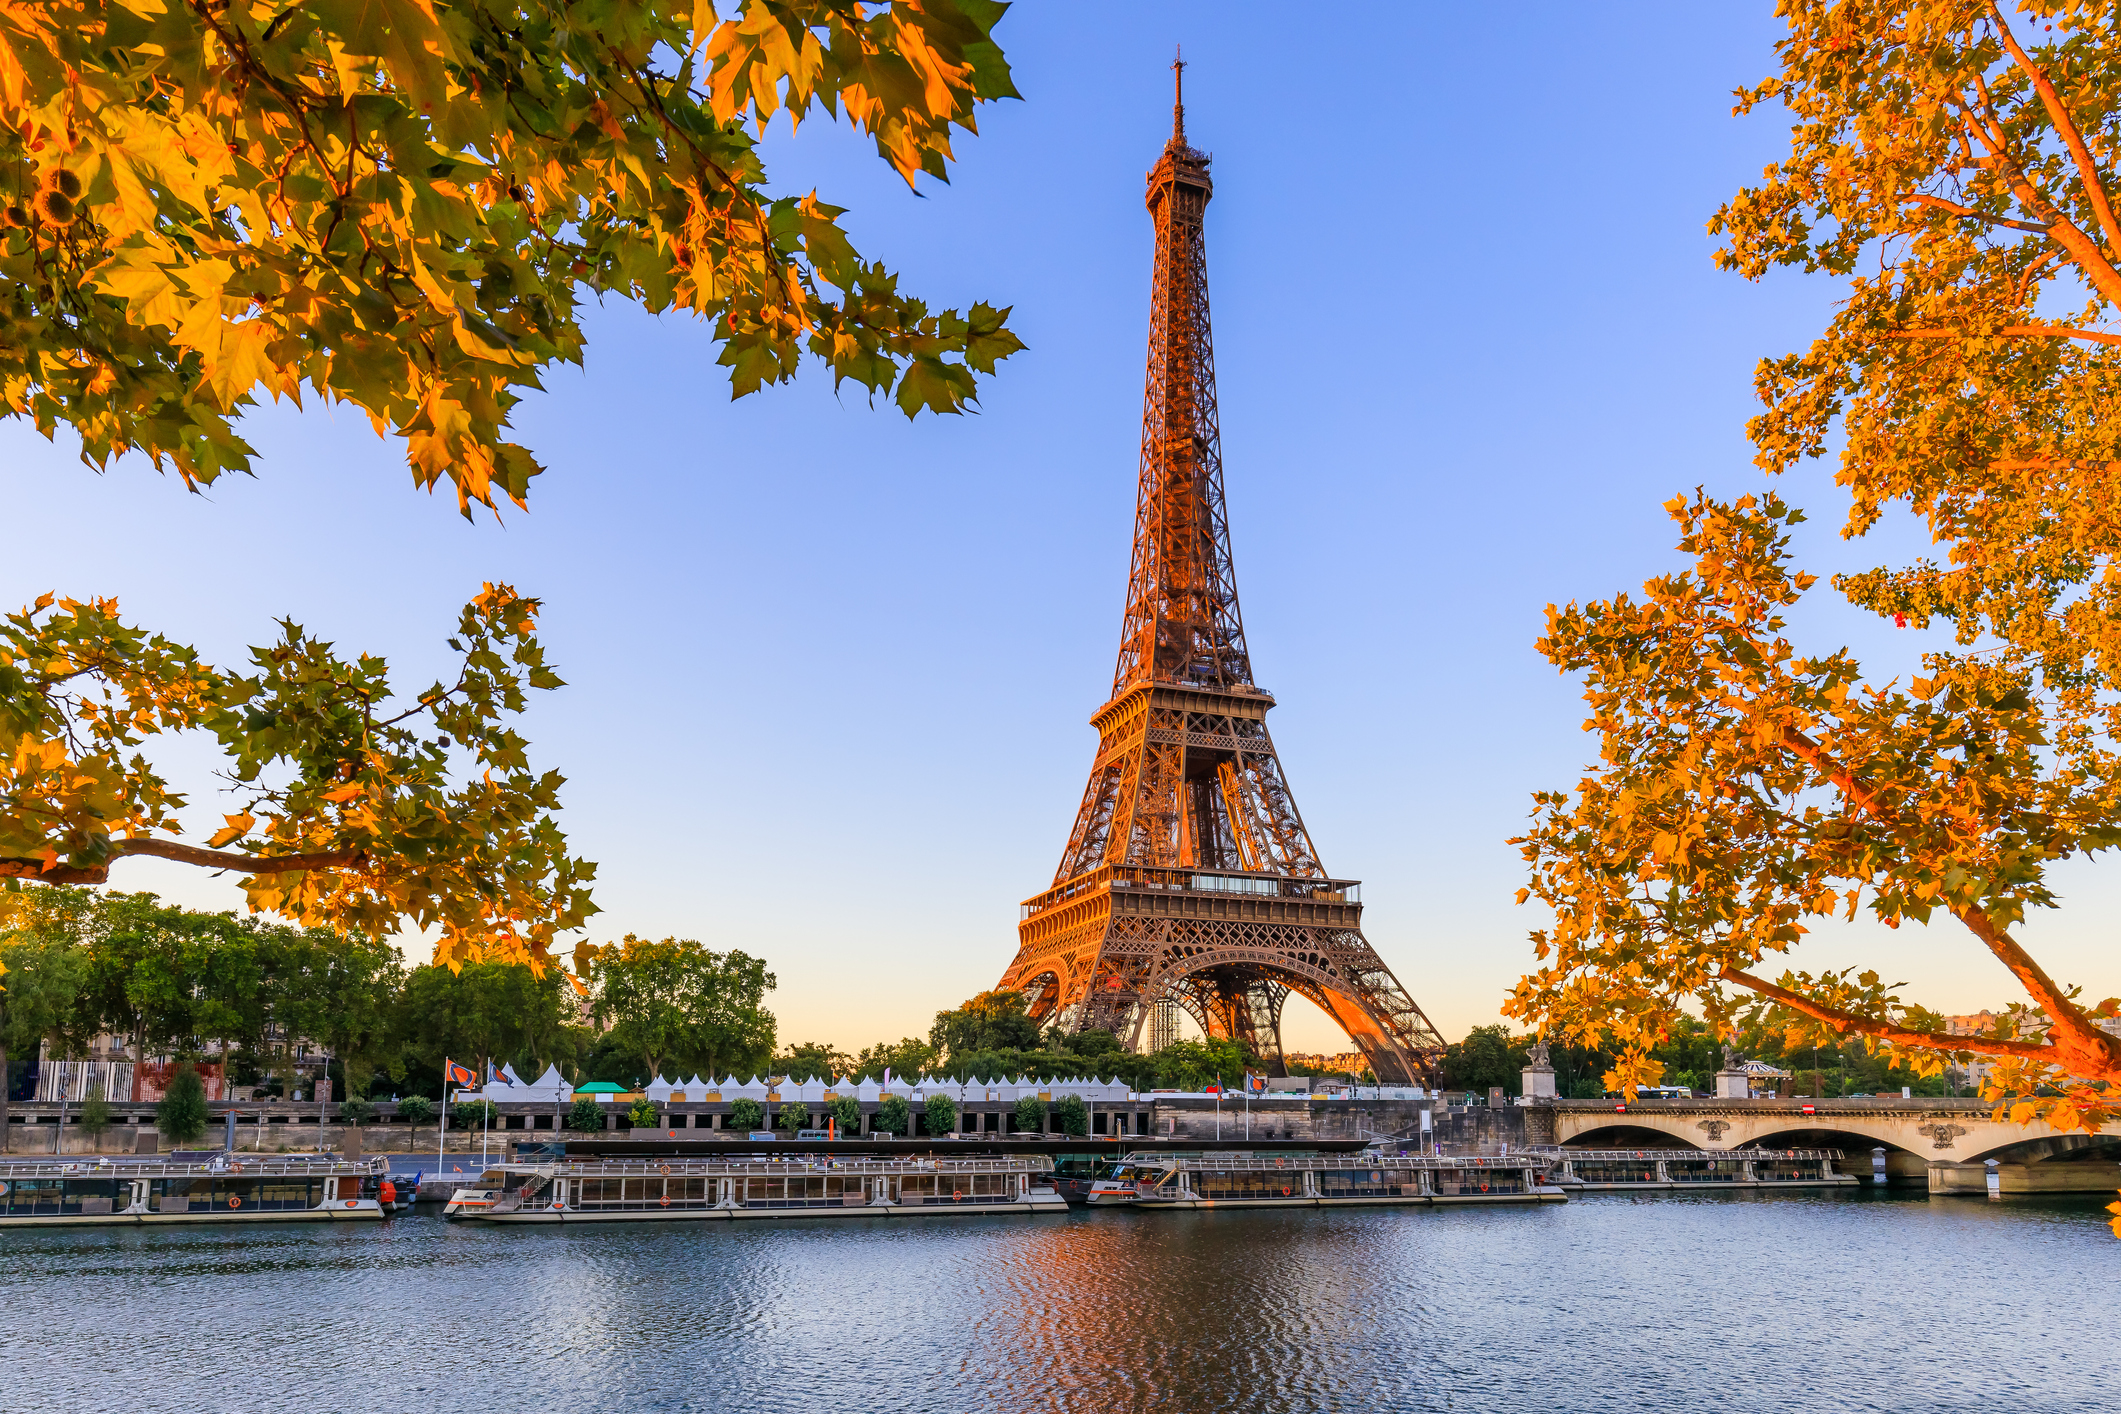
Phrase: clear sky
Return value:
(829, 673)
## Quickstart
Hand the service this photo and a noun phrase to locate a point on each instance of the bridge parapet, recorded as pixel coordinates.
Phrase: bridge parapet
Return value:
(1922, 1133)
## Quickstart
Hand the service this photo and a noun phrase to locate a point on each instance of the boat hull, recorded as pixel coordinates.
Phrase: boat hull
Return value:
(1055, 1204)
(359, 1210)
(1420, 1200)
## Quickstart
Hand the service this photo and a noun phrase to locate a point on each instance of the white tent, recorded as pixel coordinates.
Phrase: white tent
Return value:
(548, 1087)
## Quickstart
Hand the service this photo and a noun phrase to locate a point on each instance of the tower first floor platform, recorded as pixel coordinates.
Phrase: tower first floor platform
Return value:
(1106, 949)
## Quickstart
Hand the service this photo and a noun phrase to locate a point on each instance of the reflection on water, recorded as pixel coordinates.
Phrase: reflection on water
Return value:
(1608, 1303)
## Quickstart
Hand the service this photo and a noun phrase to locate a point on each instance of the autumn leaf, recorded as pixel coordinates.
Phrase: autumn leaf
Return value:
(402, 204)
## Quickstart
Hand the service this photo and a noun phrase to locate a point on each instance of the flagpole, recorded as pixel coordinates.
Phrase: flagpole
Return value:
(442, 1129)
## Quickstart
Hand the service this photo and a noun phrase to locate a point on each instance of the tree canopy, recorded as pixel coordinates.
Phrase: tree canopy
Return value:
(358, 809)
(1954, 165)
(483, 1011)
(676, 1004)
(174, 981)
(400, 204)
(991, 1021)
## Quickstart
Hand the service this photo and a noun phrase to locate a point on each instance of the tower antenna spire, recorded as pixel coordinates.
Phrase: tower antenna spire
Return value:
(1178, 93)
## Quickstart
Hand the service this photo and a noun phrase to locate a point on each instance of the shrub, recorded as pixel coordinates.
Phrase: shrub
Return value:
(1072, 1115)
(356, 1112)
(847, 1111)
(794, 1115)
(643, 1114)
(942, 1114)
(894, 1116)
(747, 1113)
(95, 1113)
(586, 1116)
(181, 1117)
(471, 1114)
(416, 1109)
(1030, 1113)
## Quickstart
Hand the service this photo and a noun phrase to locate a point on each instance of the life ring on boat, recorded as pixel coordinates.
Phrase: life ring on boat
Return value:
(234, 1201)
(1483, 1188)
(957, 1195)
(666, 1200)
(665, 1168)
(1285, 1190)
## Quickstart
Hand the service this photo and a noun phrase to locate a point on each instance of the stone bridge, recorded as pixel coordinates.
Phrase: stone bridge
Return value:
(1943, 1143)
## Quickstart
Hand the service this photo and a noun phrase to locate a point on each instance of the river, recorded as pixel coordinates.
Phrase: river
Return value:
(1610, 1303)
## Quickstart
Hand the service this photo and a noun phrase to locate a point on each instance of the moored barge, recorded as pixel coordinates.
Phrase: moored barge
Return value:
(1594, 1170)
(680, 1188)
(1153, 1180)
(225, 1188)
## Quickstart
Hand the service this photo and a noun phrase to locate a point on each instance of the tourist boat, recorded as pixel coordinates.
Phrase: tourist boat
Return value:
(1702, 1169)
(1213, 1180)
(222, 1188)
(813, 1186)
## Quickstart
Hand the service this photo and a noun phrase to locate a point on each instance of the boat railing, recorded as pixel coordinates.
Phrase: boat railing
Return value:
(1288, 1163)
(1548, 1153)
(765, 1167)
(248, 1166)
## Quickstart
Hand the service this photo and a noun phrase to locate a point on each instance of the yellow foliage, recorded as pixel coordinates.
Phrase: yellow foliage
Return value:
(399, 203)
(1955, 165)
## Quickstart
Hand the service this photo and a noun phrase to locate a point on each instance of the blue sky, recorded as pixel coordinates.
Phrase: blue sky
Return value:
(829, 672)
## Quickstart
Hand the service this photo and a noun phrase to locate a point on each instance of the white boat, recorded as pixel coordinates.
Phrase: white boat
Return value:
(1251, 1180)
(222, 1188)
(811, 1186)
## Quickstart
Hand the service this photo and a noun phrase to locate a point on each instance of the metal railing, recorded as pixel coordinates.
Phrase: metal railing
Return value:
(1206, 881)
(764, 1167)
(1555, 1151)
(1300, 1163)
(243, 1166)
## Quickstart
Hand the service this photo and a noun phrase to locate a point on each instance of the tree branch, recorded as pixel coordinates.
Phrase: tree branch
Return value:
(2077, 1046)
(1954, 208)
(2029, 331)
(181, 854)
(1844, 1022)
(2058, 113)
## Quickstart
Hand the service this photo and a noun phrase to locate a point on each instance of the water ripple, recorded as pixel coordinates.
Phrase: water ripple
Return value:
(1607, 1304)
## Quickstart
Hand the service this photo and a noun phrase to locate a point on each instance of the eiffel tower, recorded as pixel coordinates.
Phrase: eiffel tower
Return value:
(1189, 881)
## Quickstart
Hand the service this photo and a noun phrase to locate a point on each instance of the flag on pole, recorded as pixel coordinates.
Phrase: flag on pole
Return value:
(459, 1074)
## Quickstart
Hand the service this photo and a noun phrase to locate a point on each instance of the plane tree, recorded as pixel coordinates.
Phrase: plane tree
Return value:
(404, 205)
(1953, 165)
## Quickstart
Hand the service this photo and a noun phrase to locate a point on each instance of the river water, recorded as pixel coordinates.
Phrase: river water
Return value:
(1609, 1303)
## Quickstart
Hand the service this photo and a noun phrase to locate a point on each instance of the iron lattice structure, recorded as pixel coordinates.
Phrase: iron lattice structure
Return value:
(1189, 880)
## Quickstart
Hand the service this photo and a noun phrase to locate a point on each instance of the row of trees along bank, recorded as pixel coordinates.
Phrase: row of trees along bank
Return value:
(1691, 1054)
(268, 1000)
(263, 998)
